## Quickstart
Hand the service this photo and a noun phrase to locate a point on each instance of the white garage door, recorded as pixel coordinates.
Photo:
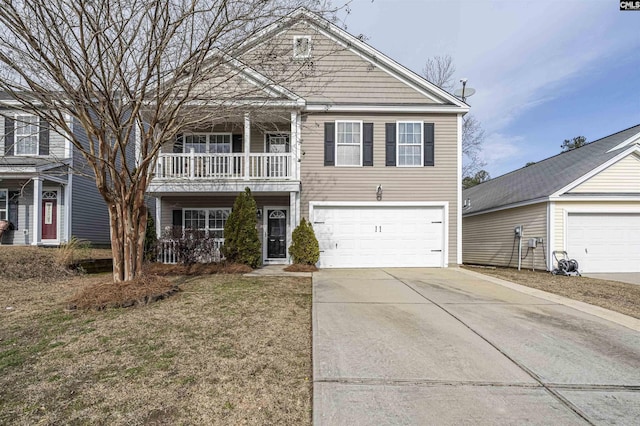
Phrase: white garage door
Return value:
(379, 236)
(604, 242)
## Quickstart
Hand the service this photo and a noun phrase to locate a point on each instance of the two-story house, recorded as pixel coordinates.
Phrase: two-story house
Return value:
(367, 150)
(46, 193)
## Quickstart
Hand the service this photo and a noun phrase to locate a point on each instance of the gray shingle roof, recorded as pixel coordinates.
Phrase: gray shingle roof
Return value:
(544, 177)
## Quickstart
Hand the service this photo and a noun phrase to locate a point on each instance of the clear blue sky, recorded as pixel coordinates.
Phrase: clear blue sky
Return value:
(544, 71)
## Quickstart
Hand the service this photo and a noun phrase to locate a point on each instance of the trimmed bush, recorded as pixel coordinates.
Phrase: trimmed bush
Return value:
(150, 240)
(241, 242)
(304, 248)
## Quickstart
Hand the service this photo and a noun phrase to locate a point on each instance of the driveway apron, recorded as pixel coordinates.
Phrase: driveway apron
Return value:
(437, 346)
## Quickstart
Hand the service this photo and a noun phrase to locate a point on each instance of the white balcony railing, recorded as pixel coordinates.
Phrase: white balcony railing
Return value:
(269, 166)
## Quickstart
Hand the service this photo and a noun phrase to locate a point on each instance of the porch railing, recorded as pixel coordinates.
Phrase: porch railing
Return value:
(203, 251)
(261, 166)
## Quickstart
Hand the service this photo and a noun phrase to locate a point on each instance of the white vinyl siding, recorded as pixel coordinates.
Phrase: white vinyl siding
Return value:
(348, 143)
(621, 177)
(4, 204)
(409, 140)
(26, 134)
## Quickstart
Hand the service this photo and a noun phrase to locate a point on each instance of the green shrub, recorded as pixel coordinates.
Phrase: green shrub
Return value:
(241, 242)
(304, 248)
(150, 240)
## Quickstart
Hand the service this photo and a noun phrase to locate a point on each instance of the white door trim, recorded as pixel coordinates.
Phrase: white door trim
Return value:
(265, 232)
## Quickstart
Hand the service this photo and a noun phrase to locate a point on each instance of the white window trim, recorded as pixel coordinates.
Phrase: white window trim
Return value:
(20, 119)
(5, 208)
(297, 55)
(206, 223)
(421, 144)
(208, 143)
(335, 161)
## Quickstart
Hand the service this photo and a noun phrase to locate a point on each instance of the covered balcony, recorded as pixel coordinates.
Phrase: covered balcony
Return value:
(260, 152)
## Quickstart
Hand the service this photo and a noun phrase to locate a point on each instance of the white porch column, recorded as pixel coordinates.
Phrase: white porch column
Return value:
(294, 146)
(247, 144)
(158, 217)
(37, 211)
(292, 218)
(66, 235)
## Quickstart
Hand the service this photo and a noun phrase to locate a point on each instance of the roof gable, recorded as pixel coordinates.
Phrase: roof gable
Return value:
(622, 176)
(352, 72)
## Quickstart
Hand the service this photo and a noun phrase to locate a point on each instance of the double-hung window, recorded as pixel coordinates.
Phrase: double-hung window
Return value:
(348, 143)
(206, 222)
(208, 143)
(26, 135)
(409, 144)
(4, 204)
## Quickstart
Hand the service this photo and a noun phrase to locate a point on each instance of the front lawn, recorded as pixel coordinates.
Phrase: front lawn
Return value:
(227, 349)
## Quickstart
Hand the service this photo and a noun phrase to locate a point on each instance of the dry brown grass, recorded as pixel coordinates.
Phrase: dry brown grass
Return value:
(225, 350)
(19, 263)
(299, 267)
(613, 295)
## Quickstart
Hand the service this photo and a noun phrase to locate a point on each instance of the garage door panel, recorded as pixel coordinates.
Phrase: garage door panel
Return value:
(604, 242)
(374, 236)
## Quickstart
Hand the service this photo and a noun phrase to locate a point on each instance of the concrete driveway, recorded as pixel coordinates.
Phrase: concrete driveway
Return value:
(439, 346)
(625, 277)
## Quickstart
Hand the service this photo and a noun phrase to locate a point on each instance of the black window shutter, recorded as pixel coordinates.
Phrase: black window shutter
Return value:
(177, 217)
(367, 142)
(43, 143)
(390, 144)
(429, 154)
(8, 136)
(236, 143)
(330, 144)
(179, 144)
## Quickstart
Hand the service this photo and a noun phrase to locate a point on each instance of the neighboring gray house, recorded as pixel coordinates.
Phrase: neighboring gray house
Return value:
(40, 195)
(367, 150)
(585, 202)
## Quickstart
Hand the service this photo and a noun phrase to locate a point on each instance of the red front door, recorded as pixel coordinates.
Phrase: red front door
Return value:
(49, 219)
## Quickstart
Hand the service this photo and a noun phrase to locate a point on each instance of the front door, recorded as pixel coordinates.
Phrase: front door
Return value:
(276, 234)
(49, 215)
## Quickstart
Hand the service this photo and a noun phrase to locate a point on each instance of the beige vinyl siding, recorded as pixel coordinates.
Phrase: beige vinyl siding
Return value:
(563, 208)
(621, 177)
(56, 141)
(330, 183)
(488, 239)
(334, 73)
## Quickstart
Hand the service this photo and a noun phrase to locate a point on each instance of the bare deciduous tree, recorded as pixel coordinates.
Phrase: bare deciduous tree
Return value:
(440, 70)
(127, 70)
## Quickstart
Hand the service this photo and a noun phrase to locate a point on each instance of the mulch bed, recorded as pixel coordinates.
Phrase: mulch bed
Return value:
(196, 269)
(299, 267)
(140, 291)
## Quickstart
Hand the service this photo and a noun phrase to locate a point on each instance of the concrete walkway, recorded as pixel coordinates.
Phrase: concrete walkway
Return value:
(438, 346)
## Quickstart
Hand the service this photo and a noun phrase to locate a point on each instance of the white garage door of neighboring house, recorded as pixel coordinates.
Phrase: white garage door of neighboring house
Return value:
(380, 236)
(604, 242)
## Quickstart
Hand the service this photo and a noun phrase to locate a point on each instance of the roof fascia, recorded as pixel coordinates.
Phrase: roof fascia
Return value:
(595, 171)
(417, 108)
(507, 206)
(633, 139)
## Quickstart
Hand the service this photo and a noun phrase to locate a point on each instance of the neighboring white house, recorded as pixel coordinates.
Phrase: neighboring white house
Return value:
(585, 202)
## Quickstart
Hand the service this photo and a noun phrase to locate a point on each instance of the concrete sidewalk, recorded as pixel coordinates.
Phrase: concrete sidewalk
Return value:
(438, 346)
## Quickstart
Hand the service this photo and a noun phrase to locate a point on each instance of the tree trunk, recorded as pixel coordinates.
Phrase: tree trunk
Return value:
(128, 226)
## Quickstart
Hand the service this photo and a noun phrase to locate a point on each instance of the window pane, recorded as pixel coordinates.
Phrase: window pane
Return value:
(348, 155)
(409, 155)
(196, 142)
